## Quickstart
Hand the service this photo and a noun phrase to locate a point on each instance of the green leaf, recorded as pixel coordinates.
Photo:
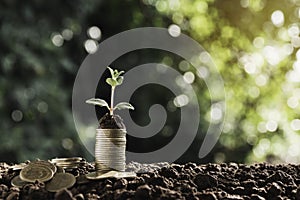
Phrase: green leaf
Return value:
(119, 73)
(111, 71)
(120, 80)
(124, 105)
(111, 82)
(98, 102)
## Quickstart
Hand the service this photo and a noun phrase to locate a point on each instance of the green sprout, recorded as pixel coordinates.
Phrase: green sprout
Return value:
(115, 80)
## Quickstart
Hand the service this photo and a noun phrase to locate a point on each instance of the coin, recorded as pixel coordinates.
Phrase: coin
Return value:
(110, 174)
(17, 182)
(60, 181)
(66, 159)
(32, 173)
(60, 169)
(18, 166)
(69, 163)
(44, 163)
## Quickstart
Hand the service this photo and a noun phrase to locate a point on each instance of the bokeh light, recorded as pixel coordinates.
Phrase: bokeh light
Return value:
(277, 18)
(57, 40)
(91, 46)
(174, 30)
(94, 32)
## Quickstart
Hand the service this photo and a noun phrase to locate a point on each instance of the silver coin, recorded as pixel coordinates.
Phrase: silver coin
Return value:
(18, 166)
(72, 159)
(34, 172)
(18, 182)
(61, 181)
(110, 174)
(44, 163)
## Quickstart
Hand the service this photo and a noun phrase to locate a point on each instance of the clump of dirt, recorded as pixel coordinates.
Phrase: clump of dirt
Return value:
(111, 122)
(172, 181)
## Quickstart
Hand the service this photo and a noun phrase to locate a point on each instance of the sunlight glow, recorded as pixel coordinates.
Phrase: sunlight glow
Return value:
(189, 77)
(275, 54)
(67, 143)
(202, 72)
(295, 41)
(57, 40)
(67, 34)
(94, 32)
(174, 4)
(277, 18)
(90, 46)
(261, 127)
(259, 42)
(245, 3)
(261, 80)
(216, 113)
(295, 124)
(262, 147)
(17, 115)
(181, 100)
(293, 102)
(252, 62)
(293, 76)
(298, 54)
(254, 92)
(271, 126)
(161, 6)
(293, 30)
(42, 107)
(184, 65)
(174, 30)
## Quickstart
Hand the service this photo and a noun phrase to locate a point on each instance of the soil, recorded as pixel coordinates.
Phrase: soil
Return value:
(163, 181)
(111, 122)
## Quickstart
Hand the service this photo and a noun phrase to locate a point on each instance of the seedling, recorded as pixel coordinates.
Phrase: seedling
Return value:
(115, 80)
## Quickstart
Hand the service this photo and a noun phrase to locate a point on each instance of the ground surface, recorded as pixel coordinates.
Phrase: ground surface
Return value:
(164, 181)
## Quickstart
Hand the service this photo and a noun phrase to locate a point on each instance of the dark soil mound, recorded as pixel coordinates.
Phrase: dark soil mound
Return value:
(164, 181)
(111, 122)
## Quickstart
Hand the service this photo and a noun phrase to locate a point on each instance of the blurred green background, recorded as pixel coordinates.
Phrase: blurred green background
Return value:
(254, 44)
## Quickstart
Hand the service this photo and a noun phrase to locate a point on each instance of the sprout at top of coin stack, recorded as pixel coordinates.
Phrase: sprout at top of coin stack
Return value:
(115, 80)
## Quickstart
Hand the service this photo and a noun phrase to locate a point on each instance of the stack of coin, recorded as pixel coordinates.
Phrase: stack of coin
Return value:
(110, 150)
(69, 163)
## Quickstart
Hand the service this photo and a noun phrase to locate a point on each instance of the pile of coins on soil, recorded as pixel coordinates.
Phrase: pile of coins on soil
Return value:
(54, 177)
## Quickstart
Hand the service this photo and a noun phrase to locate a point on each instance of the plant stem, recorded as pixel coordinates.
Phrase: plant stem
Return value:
(111, 110)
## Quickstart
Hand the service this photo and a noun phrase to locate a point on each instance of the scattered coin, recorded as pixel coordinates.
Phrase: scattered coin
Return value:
(18, 182)
(110, 174)
(32, 173)
(17, 166)
(44, 163)
(60, 181)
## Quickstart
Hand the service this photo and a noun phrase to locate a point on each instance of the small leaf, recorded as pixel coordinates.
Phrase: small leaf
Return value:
(111, 82)
(123, 105)
(119, 73)
(98, 102)
(120, 80)
(111, 71)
